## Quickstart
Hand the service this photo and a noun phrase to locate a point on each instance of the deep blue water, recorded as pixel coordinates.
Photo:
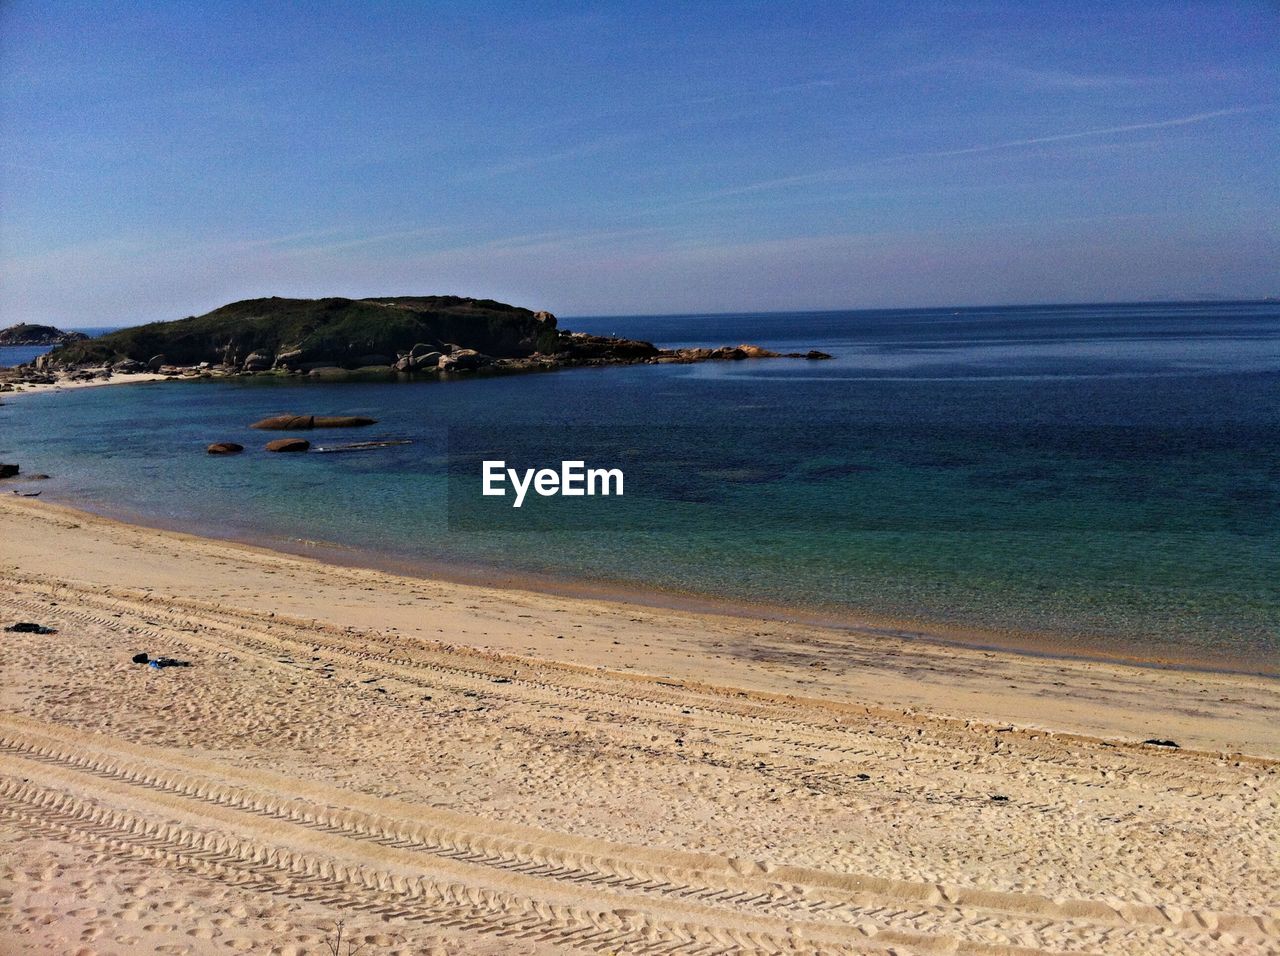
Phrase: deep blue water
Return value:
(11, 355)
(1109, 475)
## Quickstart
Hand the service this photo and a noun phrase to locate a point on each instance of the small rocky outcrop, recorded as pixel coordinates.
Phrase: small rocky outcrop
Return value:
(288, 445)
(258, 362)
(755, 351)
(28, 334)
(290, 423)
(225, 448)
(8, 471)
(580, 345)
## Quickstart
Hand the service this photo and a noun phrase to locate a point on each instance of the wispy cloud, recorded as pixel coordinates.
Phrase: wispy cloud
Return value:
(1050, 77)
(1103, 131)
(533, 158)
(843, 173)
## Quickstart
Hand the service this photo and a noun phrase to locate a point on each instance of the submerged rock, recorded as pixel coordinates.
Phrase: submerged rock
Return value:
(224, 448)
(8, 471)
(288, 444)
(287, 423)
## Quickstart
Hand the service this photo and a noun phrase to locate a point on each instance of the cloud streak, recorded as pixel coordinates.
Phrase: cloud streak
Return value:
(846, 172)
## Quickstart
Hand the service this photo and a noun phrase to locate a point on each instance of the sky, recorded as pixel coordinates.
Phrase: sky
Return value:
(158, 159)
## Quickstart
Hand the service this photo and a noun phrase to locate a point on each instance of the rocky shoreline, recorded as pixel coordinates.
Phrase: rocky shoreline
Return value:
(26, 334)
(343, 339)
(423, 360)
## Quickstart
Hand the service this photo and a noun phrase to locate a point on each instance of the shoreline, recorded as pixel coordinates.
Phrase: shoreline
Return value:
(71, 385)
(865, 624)
(448, 768)
(905, 657)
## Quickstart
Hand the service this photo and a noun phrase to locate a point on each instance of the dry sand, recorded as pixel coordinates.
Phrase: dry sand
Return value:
(449, 768)
(66, 384)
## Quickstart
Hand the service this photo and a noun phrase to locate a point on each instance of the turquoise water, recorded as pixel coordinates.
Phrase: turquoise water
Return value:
(1106, 475)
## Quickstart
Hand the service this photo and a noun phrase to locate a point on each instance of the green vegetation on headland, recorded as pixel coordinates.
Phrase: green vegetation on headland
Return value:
(340, 338)
(338, 332)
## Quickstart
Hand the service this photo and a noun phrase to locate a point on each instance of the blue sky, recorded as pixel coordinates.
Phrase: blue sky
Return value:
(162, 159)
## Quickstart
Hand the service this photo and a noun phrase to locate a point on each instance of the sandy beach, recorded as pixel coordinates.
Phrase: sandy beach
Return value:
(65, 383)
(448, 768)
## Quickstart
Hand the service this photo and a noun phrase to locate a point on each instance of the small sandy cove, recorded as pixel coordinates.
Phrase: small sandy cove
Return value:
(439, 768)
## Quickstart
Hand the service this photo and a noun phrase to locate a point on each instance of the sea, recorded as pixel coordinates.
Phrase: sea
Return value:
(1098, 480)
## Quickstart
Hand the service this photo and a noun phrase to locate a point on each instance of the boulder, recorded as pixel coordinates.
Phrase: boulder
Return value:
(291, 359)
(462, 360)
(288, 444)
(285, 423)
(755, 351)
(426, 360)
(546, 318)
(8, 471)
(342, 421)
(128, 366)
(258, 362)
(422, 348)
(156, 363)
(725, 352)
(224, 448)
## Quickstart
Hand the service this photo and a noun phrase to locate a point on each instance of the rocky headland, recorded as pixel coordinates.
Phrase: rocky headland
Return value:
(27, 334)
(336, 339)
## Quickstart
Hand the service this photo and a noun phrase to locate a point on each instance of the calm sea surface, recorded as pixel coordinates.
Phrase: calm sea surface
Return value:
(1108, 476)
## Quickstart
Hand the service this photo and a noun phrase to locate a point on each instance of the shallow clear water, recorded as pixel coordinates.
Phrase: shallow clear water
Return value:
(1108, 475)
